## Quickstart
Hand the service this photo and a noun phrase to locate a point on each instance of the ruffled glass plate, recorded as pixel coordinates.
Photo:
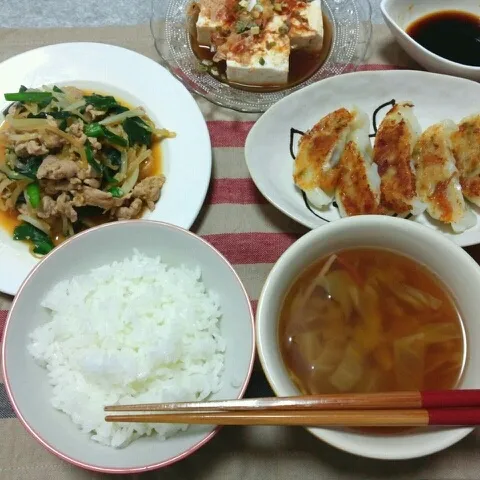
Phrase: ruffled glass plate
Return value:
(351, 30)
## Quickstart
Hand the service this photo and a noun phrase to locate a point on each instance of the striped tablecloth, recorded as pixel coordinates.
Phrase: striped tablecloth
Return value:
(252, 234)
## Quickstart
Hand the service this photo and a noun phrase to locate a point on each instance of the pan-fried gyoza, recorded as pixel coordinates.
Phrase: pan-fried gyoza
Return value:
(407, 173)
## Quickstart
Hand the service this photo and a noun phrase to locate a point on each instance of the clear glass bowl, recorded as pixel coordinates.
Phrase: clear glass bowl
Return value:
(351, 31)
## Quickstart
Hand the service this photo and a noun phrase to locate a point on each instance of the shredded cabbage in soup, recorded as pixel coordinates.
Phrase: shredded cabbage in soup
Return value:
(370, 320)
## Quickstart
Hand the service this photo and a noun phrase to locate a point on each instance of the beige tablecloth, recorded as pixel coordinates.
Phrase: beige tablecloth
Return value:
(252, 234)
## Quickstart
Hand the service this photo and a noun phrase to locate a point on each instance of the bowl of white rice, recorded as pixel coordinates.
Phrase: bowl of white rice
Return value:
(127, 312)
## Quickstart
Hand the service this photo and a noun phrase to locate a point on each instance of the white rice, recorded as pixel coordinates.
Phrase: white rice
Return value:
(135, 331)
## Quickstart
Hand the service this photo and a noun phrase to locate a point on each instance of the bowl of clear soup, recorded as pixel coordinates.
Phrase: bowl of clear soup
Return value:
(372, 304)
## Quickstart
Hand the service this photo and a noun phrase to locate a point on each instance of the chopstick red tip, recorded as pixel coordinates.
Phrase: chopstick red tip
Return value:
(450, 398)
(454, 417)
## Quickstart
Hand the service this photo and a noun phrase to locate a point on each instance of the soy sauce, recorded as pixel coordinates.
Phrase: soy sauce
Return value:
(451, 34)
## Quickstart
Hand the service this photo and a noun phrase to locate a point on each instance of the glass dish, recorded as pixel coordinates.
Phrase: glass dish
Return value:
(351, 31)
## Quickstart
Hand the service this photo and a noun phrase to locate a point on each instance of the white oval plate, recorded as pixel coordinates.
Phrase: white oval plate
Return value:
(436, 97)
(187, 159)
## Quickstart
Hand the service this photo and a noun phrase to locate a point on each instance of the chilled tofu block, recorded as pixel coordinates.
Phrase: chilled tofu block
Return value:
(266, 64)
(207, 22)
(205, 28)
(256, 37)
(306, 30)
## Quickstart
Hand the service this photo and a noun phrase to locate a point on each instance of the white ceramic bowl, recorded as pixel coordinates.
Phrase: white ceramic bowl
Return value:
(27, 384)
(459, 273)
(399, 14)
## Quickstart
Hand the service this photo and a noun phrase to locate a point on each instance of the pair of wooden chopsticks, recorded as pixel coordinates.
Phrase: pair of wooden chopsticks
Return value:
(395, 409)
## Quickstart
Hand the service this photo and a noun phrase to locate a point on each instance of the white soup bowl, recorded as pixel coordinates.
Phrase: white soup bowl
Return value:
(459, 273)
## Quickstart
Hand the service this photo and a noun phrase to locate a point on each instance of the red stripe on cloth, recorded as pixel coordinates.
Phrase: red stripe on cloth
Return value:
(376, 66)
(234, 133)
(251, 248)
(241, 191)
(228, 134)
(3, 319)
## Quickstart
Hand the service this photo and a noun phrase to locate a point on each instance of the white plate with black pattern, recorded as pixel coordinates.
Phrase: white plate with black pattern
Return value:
(186, 159)
(271, 144)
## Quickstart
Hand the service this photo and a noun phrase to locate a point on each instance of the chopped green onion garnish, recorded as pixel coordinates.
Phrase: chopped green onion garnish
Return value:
(41, 241)
(33, 193)
(113, 138)
(28, 97)
(240, 27)
(91, 160)
(93, 130)
(99, 131)
(116, 192)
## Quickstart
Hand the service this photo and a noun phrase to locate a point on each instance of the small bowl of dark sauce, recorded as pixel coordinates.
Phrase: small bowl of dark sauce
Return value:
(451, 34)
(438, 37)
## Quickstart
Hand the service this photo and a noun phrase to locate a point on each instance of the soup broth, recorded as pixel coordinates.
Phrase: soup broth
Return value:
(370, 320)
